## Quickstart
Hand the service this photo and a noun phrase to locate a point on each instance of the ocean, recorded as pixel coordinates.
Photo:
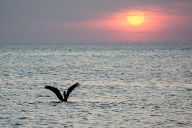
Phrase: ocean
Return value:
(121, 85)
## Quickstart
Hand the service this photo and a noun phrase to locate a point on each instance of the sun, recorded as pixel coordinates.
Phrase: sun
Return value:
(135, 18)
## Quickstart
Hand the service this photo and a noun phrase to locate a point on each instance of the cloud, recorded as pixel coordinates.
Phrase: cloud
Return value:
(86, 20)
(35, 10)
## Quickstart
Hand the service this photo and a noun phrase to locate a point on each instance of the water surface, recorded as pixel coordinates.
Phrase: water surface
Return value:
(133, 85)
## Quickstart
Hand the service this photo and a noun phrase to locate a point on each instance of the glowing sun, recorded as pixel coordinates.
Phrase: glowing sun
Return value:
(135, 18)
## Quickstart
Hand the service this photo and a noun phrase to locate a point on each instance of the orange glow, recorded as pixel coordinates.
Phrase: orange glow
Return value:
(151, 22)
(135, 18)
(117, 24)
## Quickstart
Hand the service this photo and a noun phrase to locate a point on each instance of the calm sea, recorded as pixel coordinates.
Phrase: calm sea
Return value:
(122, 85)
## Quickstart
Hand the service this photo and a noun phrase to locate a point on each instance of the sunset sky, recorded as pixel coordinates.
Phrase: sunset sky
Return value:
(88, 21)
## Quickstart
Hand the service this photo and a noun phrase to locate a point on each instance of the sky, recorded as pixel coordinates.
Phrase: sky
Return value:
(95, 21)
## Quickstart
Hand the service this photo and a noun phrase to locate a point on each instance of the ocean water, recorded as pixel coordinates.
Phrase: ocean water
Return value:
(121, 85)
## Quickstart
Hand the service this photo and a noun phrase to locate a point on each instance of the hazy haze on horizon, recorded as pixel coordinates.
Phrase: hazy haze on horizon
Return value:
(94, 21)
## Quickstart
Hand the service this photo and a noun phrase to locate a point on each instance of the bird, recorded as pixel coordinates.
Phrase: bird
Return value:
(65, 96)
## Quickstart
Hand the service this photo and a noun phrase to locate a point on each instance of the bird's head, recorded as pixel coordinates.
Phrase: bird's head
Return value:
(64, 93)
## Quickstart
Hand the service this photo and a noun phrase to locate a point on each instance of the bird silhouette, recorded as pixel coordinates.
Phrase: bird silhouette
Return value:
(65, 94)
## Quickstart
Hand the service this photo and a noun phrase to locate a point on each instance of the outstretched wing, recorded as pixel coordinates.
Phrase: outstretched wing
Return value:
(56, 91)
(70, 89)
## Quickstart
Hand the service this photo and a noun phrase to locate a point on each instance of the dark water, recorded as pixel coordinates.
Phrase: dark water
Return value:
(122, 85)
